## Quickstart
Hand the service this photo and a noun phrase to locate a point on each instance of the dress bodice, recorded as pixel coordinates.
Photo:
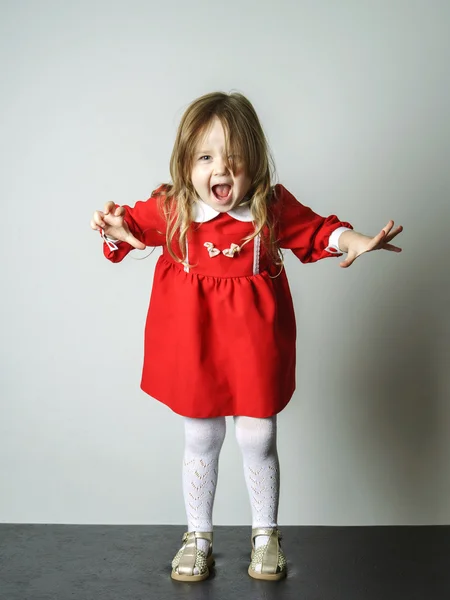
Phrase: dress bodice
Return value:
(215, 248)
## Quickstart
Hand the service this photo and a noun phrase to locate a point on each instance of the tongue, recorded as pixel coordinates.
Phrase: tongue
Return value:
(222, 190)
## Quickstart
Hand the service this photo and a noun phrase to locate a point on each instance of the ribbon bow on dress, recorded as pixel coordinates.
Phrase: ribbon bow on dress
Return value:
(230, 252)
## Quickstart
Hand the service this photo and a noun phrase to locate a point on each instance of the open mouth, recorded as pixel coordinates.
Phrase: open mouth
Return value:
(222, 193)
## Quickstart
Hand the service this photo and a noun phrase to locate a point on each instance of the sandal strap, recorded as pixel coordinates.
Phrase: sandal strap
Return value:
(189, 556)
(270, 557)
(199, 535)
(268, 531)
(204, 535)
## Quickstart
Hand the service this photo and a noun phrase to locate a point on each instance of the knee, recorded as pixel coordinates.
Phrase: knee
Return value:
(204, 436)
(256, 436)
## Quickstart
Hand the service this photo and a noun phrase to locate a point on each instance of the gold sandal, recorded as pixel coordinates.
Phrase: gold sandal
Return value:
(189, 558)
(270, 557)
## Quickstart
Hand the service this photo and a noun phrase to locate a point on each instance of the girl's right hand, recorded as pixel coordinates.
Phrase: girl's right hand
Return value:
(114, 225)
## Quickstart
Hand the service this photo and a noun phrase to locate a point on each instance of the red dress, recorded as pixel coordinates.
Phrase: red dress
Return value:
(220, 335)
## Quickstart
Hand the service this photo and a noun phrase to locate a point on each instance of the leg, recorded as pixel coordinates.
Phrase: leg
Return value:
(257, 439)
(203, 442)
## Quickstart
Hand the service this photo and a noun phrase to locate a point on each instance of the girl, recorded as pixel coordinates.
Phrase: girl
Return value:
(220, 333)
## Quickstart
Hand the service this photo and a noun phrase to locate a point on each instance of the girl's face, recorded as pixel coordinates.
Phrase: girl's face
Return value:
(213, 181)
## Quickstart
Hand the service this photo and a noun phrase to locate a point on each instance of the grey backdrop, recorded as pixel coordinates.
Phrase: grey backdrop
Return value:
(354, 97)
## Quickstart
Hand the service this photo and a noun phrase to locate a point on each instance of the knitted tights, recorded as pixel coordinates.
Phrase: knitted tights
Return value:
(257, 441)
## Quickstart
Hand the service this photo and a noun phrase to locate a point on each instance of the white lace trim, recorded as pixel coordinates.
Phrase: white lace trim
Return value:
(256, 254)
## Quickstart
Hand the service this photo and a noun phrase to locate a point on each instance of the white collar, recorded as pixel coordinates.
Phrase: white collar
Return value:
(203, 212)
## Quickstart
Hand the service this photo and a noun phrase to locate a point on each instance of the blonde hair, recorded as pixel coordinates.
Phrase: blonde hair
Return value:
(244, 137)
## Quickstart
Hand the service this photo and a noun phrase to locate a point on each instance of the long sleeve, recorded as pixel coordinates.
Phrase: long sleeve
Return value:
(146, 222)
(302, 230)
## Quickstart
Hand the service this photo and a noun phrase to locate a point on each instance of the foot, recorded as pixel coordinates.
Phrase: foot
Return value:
(194, 558)
(268, 561)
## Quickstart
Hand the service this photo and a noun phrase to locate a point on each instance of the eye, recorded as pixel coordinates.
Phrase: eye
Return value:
(204, 158)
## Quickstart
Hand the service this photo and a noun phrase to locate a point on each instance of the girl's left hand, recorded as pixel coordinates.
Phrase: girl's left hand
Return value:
(358, 243)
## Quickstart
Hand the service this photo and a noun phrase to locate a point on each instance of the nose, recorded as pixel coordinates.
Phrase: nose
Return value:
(220, 167)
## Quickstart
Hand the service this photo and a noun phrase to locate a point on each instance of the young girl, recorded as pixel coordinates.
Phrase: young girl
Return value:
(220, 333)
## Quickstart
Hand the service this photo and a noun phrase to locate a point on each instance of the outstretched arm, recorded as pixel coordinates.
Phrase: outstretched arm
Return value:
(355, 244)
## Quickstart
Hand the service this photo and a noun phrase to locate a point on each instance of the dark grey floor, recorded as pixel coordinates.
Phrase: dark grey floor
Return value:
(61, 562)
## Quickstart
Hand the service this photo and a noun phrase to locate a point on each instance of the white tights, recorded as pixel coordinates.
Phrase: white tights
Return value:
(257, 441)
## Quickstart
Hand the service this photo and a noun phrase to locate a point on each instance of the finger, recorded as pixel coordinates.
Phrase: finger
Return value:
(119, 211)
(391, 248)
(388, 227)
(392, 235)
(376, 241)
(99, 218)
(109, 206)
(385, 235)
(347, 262)
(111, 219)
(94, 225)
